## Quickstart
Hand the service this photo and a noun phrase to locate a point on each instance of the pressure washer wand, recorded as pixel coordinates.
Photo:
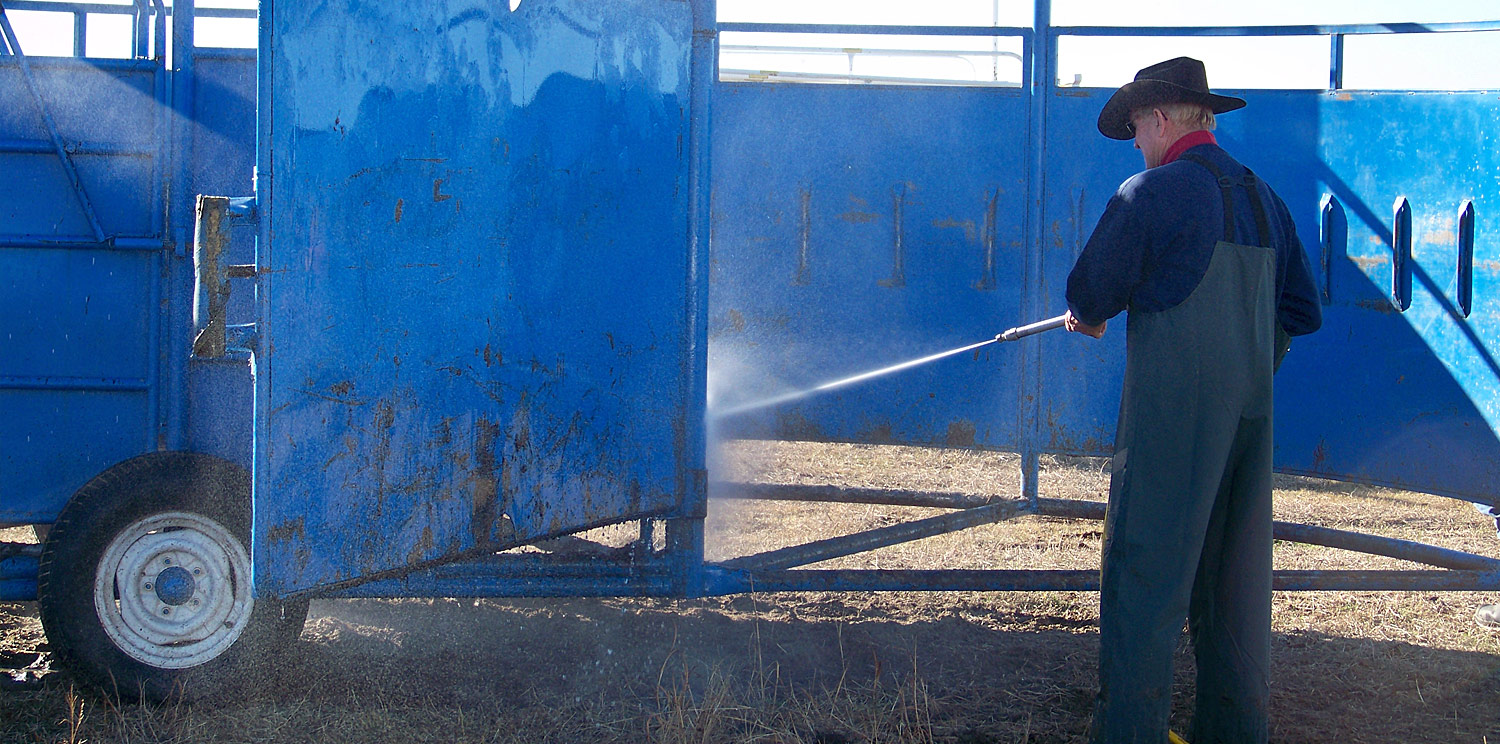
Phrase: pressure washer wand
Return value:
(1010, 335)
(1034, 328)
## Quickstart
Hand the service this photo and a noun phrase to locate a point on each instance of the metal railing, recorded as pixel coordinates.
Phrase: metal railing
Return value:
(851, 54)
(1336, 35)
(148, 30)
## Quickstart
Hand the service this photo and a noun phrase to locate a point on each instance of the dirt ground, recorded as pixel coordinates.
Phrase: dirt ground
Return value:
(828, 667)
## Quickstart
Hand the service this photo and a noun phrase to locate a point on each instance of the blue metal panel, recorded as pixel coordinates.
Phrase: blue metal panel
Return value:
(108, 108)
(224, 122)
(81, 305)
(18, 578)
(1420, 412)
(856, 227)
(65, 438)
(75, 313)
(220, 408)
(75, 371)
(477, 279)
(220, 393)
(1405, 399)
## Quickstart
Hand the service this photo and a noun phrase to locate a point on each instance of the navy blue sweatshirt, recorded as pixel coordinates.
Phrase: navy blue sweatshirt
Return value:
(1153, 244)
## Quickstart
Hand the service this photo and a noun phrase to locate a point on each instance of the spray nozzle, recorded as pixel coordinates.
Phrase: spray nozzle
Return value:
(1026, 330)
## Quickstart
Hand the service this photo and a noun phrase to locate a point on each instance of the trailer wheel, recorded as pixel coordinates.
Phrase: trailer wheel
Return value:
(144, 583)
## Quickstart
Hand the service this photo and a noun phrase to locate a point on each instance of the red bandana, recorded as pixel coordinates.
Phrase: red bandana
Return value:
(1186, 142)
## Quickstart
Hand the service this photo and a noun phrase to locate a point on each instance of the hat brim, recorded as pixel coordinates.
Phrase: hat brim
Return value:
(1114, 120)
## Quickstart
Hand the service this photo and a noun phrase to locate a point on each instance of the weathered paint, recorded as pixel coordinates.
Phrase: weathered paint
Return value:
(506, 356)
(847, 237)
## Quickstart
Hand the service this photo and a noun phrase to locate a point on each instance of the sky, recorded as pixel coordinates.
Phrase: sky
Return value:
(1445, 62)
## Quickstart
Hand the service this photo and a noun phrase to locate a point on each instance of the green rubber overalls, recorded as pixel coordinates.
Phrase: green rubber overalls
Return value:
(1188, 530)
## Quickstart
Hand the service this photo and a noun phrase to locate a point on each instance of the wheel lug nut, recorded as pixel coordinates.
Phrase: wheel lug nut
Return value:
(167, 561)
(166, 610)
(148, 586)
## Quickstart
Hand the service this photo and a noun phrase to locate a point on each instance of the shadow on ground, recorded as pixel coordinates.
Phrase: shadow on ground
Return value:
(824, 668)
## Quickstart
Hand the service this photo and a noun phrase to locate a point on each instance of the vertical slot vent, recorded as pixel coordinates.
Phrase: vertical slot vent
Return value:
(1333, 235)
(1466, 258)
(1401, 254)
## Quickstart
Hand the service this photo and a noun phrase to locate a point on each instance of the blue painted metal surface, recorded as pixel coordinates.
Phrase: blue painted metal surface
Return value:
(94, 369)
(78, 369)
(18, 578)
(869, 226)
(1420, 413)
(477, 280)
(514, 337)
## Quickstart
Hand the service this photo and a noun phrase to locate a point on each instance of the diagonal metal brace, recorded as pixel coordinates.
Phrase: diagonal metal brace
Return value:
(57, 143)
(838, 547)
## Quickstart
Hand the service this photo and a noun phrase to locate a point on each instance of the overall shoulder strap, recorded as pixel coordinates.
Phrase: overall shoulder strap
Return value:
(1250, 182)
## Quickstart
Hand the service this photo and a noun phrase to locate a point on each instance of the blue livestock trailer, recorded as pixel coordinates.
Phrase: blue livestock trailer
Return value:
(464, 278)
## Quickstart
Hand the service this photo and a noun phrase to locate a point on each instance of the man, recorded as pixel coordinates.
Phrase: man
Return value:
(1206, 260)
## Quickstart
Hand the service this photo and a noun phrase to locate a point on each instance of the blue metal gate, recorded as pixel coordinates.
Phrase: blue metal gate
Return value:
(875, 224)
(81, 249)
(485, 295)
(100, 159)
(479, 280)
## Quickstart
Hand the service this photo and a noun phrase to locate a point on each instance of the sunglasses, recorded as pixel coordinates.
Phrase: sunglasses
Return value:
(1130, 123)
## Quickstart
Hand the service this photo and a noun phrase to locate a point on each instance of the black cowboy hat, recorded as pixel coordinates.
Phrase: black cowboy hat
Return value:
(1180, 80)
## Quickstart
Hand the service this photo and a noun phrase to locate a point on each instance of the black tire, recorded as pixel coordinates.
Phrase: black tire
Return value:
(140, 516)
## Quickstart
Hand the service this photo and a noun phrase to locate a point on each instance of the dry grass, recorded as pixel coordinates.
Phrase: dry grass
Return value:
(834, 667)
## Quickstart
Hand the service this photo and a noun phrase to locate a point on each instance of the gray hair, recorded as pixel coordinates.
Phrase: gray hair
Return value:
(1191, 116)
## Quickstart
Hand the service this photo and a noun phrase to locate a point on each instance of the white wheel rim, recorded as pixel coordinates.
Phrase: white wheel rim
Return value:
(173, 590)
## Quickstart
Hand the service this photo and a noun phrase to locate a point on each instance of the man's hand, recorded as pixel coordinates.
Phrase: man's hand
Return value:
(1075, 325)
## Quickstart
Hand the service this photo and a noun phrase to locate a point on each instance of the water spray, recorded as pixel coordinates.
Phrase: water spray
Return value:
(1011, 334)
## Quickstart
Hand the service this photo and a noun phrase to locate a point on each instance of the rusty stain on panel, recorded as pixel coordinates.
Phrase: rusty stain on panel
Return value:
(437, 191)
(350, 446)
(898, 248)
(400, 204)
(385, 419)
(795, 426)
(286, 532)
(1379, 306)
(879, 434)
(960, 434)
(1320, 454)
(423, 546)
(735, 321)
(485, 505)
(971, 234)
(986, 281)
